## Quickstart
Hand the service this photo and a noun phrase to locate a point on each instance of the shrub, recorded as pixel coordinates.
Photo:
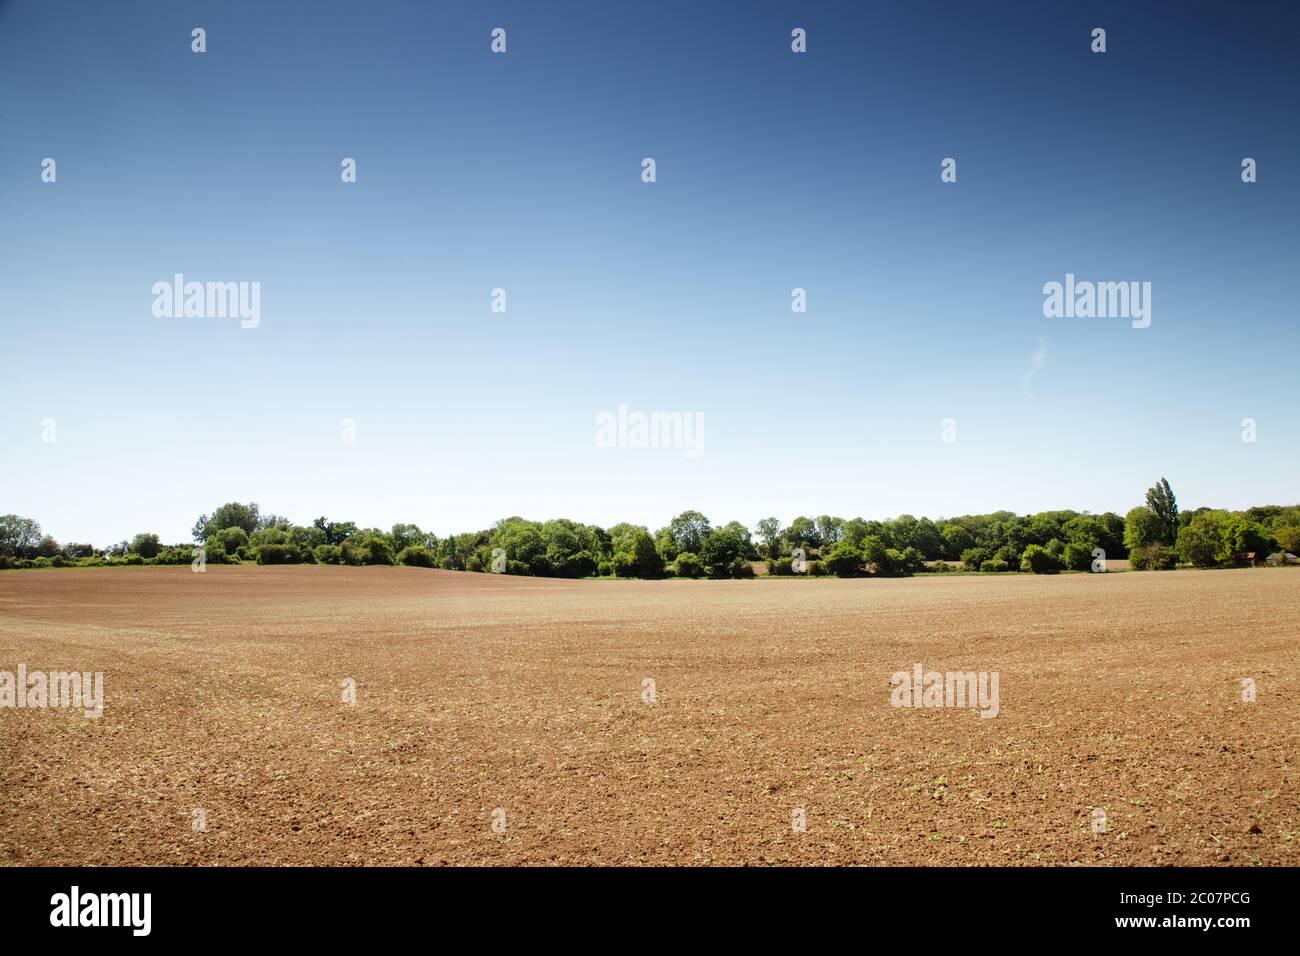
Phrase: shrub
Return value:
(995, 565)
(581, 564)
(640, 557)
(1153, 557)
(133, 559)
(539, 566)
(818, 569)
(58, 561)
(415, 556)
(41, 562)
(6, 562)
(741, 568)
(895, 562)
(472, 563)
(780, 567)
(1039, 560)
(229, 540)
(278, 554)
(351, 551)
(687, 565)
(843, 560)
(973, 558)
(377, 551)
(175, 556)
(1078, 556)
(605, 568)
(942, 567)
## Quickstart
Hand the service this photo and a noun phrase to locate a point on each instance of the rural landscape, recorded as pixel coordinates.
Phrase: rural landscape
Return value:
(457, 448)
(500, 719)
(348, 711)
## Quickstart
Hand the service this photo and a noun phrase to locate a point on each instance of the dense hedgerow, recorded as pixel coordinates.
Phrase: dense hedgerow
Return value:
(1155, 535)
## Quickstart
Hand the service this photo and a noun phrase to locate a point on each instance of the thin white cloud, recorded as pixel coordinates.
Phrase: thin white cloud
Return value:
(1035, 363)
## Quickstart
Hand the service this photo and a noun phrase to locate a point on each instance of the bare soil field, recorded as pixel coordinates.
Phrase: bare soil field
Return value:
(483, 698)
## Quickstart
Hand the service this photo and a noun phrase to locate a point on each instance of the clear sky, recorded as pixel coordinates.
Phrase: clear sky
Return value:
(522, 171)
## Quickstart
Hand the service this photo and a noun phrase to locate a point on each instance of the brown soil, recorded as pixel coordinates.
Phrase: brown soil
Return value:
(477, 692)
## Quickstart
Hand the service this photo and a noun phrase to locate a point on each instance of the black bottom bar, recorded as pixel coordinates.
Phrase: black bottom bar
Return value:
(943, 906)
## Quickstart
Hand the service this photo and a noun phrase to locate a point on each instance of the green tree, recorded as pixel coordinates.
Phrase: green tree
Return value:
(1038, 560)
(622, 534)
(1077, 556)
(18, 536)
(723, 547)
(687, 565)
(1142, 528)
(1160, 499)
(230, 515)
(375, 549)
(146, 545)
(1289, 538)
(843, 560)
(335, 533)
(802, 533)
(1200, 541)
(523, 543)
(829, 529)
(875, 554)
(230, 540)
(956, 539)
(402, 536)
(688, 531)
(646, 560)
(769, 529)
(1241, 536)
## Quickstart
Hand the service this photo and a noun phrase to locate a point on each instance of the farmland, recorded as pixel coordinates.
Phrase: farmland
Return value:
(650, 722)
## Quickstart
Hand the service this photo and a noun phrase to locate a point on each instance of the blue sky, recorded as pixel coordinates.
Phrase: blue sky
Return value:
(775, 170)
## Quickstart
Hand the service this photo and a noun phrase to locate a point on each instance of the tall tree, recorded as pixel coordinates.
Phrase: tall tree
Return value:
(769, 529)
(1160, 499)
(688, 530)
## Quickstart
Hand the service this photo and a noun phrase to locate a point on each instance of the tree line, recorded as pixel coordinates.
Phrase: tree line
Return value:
(1152, 536)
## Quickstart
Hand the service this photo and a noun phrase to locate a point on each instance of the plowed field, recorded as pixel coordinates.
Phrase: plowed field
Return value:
(505, 720)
